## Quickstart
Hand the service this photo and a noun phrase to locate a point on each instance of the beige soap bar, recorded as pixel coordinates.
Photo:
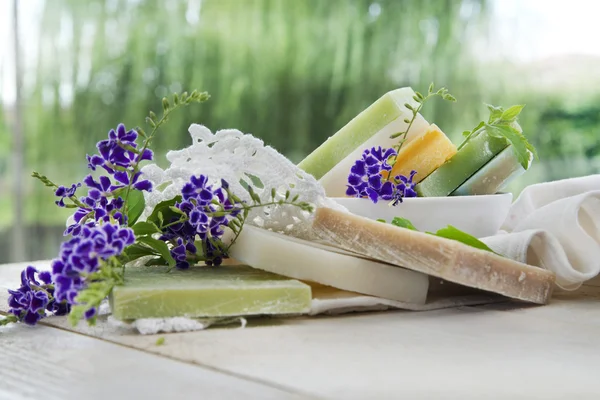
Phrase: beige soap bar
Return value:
(439, 257)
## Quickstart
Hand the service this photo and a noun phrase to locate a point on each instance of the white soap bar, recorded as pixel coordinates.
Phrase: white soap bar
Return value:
(326, 265)
(336, 179)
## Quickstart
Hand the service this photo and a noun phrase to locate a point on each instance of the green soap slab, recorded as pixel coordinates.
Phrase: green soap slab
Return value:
(493, 176)
(386, 109)
(475, 154)
(224, 291)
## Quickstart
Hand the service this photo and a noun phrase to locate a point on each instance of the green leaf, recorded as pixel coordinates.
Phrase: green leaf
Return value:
(145, 228)
(495, 113)
(519, 143)
(449, 97)
(160, 246)
(453, 233)
(512, 113)
(449, 232)
(135, 206)
(136, 251)
(469, 135)
(431, 86)
(156, 261)
(164, 208)
(403, 223)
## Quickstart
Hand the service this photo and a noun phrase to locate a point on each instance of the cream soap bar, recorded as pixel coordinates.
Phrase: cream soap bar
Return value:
(436, 256)
(228, 290)
(331, 162)
(424, 154)
(469, 159)
(495, 175)
(328, 265)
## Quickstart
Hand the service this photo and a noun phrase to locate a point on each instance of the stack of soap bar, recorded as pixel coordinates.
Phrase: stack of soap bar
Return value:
(424, 154)
(331, 162)
(150, 292)
(495, 175)
(469, 159)
(433, 255)
(327, 265)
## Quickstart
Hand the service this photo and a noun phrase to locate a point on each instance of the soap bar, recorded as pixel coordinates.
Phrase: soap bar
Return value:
(311, 261)
(332, 160)
(468, 160)
(424, 154)
(494, 175)
(443, 258)
(228, 290)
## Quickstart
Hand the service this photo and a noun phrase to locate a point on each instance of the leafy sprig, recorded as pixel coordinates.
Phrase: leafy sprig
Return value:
(421, 100)
(100, 284)
(168, 106)
(10, 318)
(503, 124)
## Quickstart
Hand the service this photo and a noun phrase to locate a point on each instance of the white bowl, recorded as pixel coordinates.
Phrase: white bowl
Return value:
(479, 216)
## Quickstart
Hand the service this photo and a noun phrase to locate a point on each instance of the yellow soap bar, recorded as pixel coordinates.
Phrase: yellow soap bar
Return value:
(424, 154)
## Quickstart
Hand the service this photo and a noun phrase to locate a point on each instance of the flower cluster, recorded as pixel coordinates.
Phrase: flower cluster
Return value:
(97, 232)
(92, 261)
(30, 302)
(207, 211)
(83, 255)
(119, 156)
(367, 178)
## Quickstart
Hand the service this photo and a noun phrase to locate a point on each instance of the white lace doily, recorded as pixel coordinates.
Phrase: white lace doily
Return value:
(233, 156)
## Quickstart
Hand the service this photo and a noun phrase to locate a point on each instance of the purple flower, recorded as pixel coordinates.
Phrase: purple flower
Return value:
(82, 255)
(30, 301)
(405, 187)
(198, 205)
(119, 150)
(63, 193)
(366, 178)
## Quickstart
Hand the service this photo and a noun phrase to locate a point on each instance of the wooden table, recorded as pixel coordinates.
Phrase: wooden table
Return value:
(500, 351)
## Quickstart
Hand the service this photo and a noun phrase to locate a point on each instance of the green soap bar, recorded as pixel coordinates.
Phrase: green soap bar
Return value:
(475, 154)
(494, 175)
(366, 124)
(225, 291)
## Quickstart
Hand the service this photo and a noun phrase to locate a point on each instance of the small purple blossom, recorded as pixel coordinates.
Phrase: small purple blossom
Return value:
(405, 187)
(64, 192)
(116, 151)
(367, 178)
(30, 302)
(198, 205)
(82, 255)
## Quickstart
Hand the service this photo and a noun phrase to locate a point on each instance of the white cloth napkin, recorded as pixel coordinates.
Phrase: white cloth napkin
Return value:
(556, 226)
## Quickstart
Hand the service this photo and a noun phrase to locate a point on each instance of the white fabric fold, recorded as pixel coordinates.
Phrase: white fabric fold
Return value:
(556, 226)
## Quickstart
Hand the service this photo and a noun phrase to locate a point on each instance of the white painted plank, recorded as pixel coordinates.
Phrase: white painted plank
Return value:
(49, 363)
(464, 353)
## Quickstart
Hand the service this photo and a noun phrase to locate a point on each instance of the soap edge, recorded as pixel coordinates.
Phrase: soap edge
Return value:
(540, 281)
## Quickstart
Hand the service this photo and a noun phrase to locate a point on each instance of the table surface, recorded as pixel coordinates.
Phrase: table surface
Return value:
(501, 351)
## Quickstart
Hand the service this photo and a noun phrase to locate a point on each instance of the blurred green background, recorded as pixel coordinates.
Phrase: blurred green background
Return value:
(289, 71)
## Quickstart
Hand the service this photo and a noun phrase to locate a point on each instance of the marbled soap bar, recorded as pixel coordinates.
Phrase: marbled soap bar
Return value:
(493, 176)
(332, 160)
(469, 159)
(328, 265)
(228, 290)
(424, 154)
(443, 258)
